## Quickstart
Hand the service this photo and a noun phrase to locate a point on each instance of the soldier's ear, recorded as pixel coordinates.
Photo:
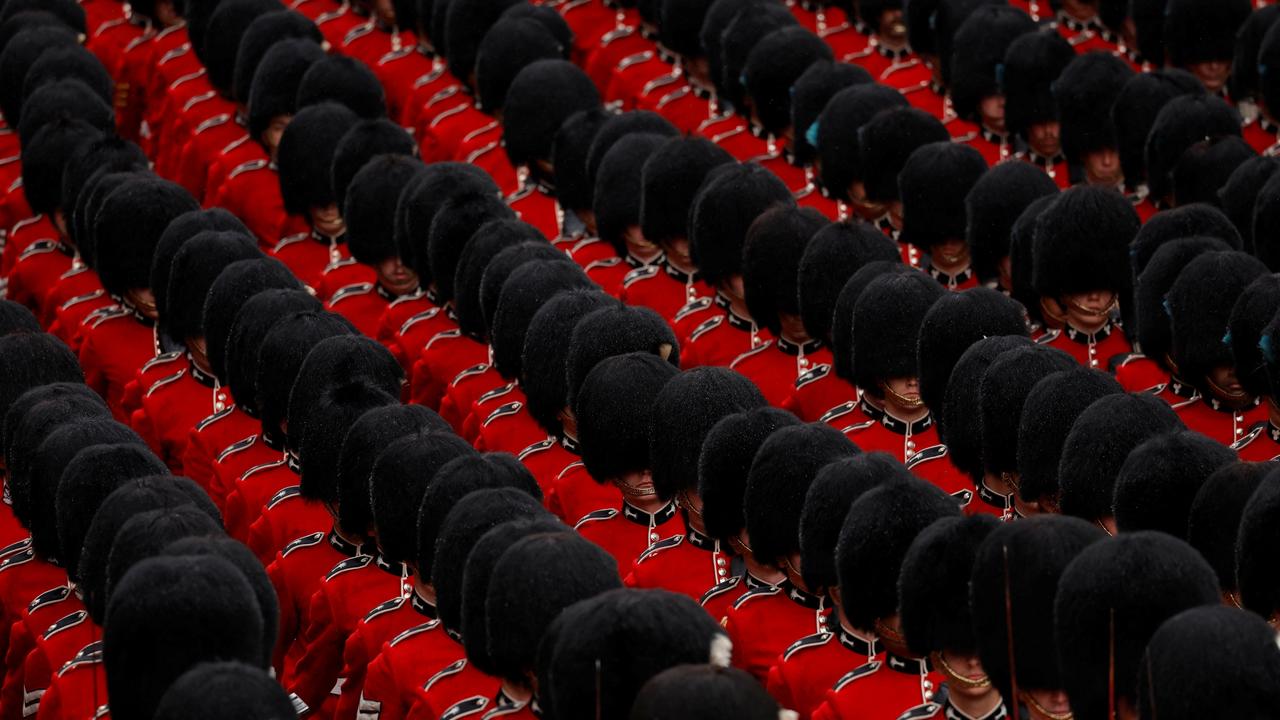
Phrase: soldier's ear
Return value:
(1052, 309)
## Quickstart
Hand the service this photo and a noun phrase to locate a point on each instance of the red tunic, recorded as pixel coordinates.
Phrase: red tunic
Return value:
(690, 564)
(23, 577)
(209, 439)
(254, 492)
(47, 609)
(464, 693)
(1097, 350)
(575, 494)
(171, 409)
(509, 427)
(56, 647)
(775, 365)
(880, 690)
(157, 368)
(36, 272)
(116, 344)
(446, 131)
(1260, 444)
(719, 600)
(75, 294)
(395, 316)
(626, 531)
(536, 205)
(398, 70)
(1212, 419)
(765, 622)
(995, 147)
(803, 674)
(441, 360)
(394, 680)
(465, 391)
(383, 623)
(79, 690)
(819, 391)
(363, 304)
(1137, 373)
(663, 289)
(286, 517)
(25, 232)
(295, 574)
(1261, 135)
(239, 458)
(1055, 167)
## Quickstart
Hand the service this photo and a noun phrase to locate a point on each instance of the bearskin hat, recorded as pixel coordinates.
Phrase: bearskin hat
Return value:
(1158, 482)
(213, 690)
(718, 19)
(259, 39)
(32, 418)
(491, 239)
(809, 96)
(680, 26)
(613, 408)
(345, 81)
(20, 53)
(67, 12)
(964, 436)
(933, 186)
(1259, 590)
(1032, 64)
(574, 189)
(253, 321)
(1199, 304)
(834, 255)
(979, 45)
(616, 330)
(233, 287)
(1249, 317)
(993, 205)
(723, 465)
(729, 201)
(539, 99)
(32, 360)
(842, 318)
(398, 480)
(886, 325)
(1206, 166)
(371, 434)
(670, 180)
(284, 348)
(545, 354)
(503, 264)
(1197, 219)
(1181, 123)
(771, 255)
(362, 143)
(703, 692)
(176, 235)
(128, 226)
(1154, 332)
(371, 203)
(1197, 31)
(1216, 513)
(45, 158)
(508, 46)
(335, 362)
(526, 290)
(837, 131)
(420, 201)
(15, 318)
(1134, 113)
(70, 99)
(106, 154)
(933, 587)
(465, 26)
(619, 191)
(738, 39)
(305, 155)
(772, 68)
(319, 444)
(69, 62)
(1002, 397)
(620, 126)
(275, 84)
(1050, 409)
(1239, 194)
(1082, 242)
(1085, 93)
(885, 143)
(196, 265)
(228, 23)
(1266, 210)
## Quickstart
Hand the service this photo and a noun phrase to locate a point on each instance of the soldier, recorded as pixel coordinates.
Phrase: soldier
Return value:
(801, 676)
(1096, 447)
(1205, 167)
(1032, 63)
(874, 539)
(1238, 203)
(884, 144)
(616, 208)
(683, 97)
(1254, 363)
(1015, 575)
(574, 189)
(891, 57)
(937, 616)
(771, 255)
(1257, 589)
(1183, 462)
(810, 95)
(764, 622)
(1224, 410)
(1200, 39)
(1182, 122)
(684, 412)
(1105, 615)
(739, 37)
(933, 186)
(993, 205)
(1214, 523)
(1135, 109)
(1085, 92)
(836, 136)
(979, 47)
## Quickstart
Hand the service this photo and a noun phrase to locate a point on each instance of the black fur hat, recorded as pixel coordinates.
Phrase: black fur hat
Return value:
(259, 39)
(1195, 220)
(1135, 109)
(32, 360)
(836, 487)
(1199, 304)
(371, 203)
(1266, 210)
(670, 180)
(334, 363)
(31, 419)
(1259, 590)
(721, 14)
(809, 96)
(233, 287)
(681, 23)
(280, 358)
(1100, 440)
(128, 226)
(1085, 93)
(480, 249)
(45, 158)
(1002, 397)
(104, 155)
(838, 131)
(508, 46)
(176, 235)
(1214, 523)
(841, 327)
(547, 17)
(1239, 195)
(1181, 123)
(150, 639)
(526, 290)
(70, 99)
(725, 460)
(948, 17)
(772, 68)
(1110, 601)
(933, 186)
(275, 84)
(1011, 590)
(1158, 483)
(1082, 244)
(306, 152)
(20, 53)
(100, 185)
(1050, 409)
(1249, 317)
(346, 81)
(502, 265)
(933, 587)
(616, 330)
(613, 408)
(885, 143)
(363, 142)
(993, 205)
(620, 126)
(1154, 331)
(465, 26)
(1022, 259)
(545, 353)
(15, 318)
(69, 62)
(771, 255)
(368, 436)
(781, 473)
(420, 201)
(704, 692)
(147, 534)
(835, 254)
(569, 149)
(67, 12)
(729, 201)
(920, 19)
(980, 44)
(540, 98)
(1206, 166)
(228, 23)
(213, 690)
(466, 523)
(875, 537)
(682, 414)
(964, 431)
(398, 481)
(196, 265)
(886, 328)
(952, 324)
(538, 578)
(449, 484)
(1257, 50)
(1197, 31)
(619, 191)
(1032, 64)
(318, 445)
(738, 39)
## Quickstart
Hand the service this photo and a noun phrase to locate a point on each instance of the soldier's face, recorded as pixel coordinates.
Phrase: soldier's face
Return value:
(863, 207)
(892, 27)
(970, 679)
(396, 277)
(1102, 167)
(271, 136)
(384, 11)
(1047, 704)
(951, 255)
(1045, 138)
(144, 301)
(1225, 384)
(1213, 74)
(1089, 310)
(328, 220)
(992, 110)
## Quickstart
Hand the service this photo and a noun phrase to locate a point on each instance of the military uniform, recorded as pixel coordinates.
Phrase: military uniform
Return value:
(764, 622)
(626, 532)
(211, 438)
(52, 651)
(79, 689)
(295, 574)
(381, 625)
(173, 406)
(363, 304)
(1099, 350)
(116, 344)
(776, 365)
(803, 674)
(818, 392)
(254, 490)
(395, 678)
(441, 362)
(286, 517)
(691, 564)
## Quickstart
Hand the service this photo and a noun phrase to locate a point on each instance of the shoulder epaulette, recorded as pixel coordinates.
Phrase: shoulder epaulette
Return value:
(748, 596)
(476, 155)
(584, 242)
(595, 516)
(186, 78)
(437, 69)
(519, 195)
(420, 317)
(451, 669)
(920, 712)
(25, 222)
(236, 447)
(384, 608)
(1130, 357)
(48, 597)
(161, 360)
(350, 291)
(356, 33)
(837, 411)
(442, 95)
(691, 307)
(1250, 436)
(477, 369)
(393, 55)
(213, 122)
(331, 15)
(90, 654)
(284, 494)
(167, 380)
(811, 641)
(640, 273)
(720, 589)
(20, 558)
(751, 352)
(134, 43)
(510, 408)
(175, 53)
(856, 55)
(245, 167)
(859, 672)
(536, 448)
(674, 95)
(81, 298)
(69, 621)
(415, 630)
(813, 375)
(659, 82)
(406, 299)
(857, 427)
(632, 60)
(706, 326)
(496, 393)
(235, 143)
(339, 263)
(963, 497)
(261, 468)
(346, 566)
(721, 137)
(442, 335)
(114, 22)
(10, 160)
(12, 548)
(456, 109)
(479, 131)
(39, 247)
(205, 423)
(290, 240)
(658, 547)
(304, 541)
(933, 452)
(567, 468)
(13, 186)
(470, 706)
(601, 263)
(1048, 337)
(110, 313)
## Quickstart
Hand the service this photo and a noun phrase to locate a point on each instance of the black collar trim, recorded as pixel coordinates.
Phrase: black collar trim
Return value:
(735, 320)
(1085, 338)
(1043, 161)
(899, 55)
(650, 520)
(948, 280)
(571, 445)
(701, 541)
(292, 462)
(993, 498)
(201, 376)
(856, 644)
(384, 293)
(791, 348)
(902, 427)
(1074, 25)
(684, 277)
(342, 545)
(1273, 432)
(387, 566)
(802, 598)
(1182, 389)
(951, 713)
(908, 666)
(421, 606)
(329, 242)
(753, 582)
(992, 136)
(1216, 404)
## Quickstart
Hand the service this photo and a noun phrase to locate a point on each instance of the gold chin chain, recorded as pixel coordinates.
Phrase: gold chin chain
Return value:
(647, 490)
(961, 680)
(1105, 312)
(911, 403)
(1044, 712)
